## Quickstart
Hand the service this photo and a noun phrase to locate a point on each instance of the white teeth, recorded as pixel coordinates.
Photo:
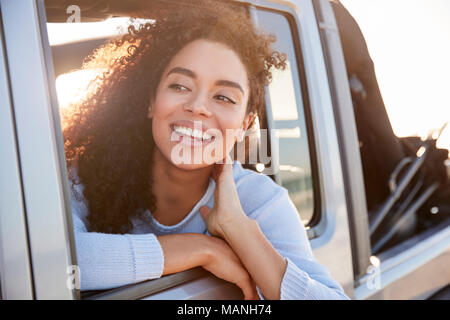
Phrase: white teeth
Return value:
(206, 136)
(192, 133)
(197, 134)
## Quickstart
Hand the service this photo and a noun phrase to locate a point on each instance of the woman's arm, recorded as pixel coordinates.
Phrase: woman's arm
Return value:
(189, 250)
(270, 239)
(111, 260)
(266, 266)
(276, 276)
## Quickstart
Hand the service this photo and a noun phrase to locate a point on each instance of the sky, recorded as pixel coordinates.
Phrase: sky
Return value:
(409, 42)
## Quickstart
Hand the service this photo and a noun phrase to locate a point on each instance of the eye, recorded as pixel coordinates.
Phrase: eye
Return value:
(178, 87)
(225, 99)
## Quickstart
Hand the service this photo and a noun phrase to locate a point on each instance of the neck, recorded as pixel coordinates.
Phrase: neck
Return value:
(176, 190)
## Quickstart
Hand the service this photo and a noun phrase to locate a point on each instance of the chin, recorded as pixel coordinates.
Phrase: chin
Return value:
(191, 167)
(188, 163)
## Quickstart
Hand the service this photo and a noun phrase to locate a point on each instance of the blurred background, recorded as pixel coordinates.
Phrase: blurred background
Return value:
(409, 42)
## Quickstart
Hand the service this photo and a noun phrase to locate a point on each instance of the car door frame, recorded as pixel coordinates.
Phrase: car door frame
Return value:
(46, 199)
(15, 267)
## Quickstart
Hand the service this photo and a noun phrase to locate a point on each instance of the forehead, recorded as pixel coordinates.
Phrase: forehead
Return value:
(210, 60)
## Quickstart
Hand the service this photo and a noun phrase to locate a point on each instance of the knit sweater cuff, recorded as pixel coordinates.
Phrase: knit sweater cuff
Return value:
(294, 285)
(293, 281)
(148, 257)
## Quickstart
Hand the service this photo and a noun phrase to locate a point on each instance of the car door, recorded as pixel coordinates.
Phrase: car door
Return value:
(43, 183)
(15, 267)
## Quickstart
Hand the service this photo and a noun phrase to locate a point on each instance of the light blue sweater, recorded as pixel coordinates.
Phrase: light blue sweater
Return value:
(111, 260)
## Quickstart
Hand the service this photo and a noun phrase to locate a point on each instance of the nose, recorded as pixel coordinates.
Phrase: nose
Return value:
(198, 106)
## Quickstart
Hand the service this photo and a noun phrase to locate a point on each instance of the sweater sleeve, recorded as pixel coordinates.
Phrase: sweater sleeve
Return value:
(271, 207)
(111, 260)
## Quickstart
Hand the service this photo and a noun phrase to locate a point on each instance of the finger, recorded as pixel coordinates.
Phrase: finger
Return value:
(228, 164)
(255, 291)
(247, 288)
(204, 211)
(222, 167)
(223, 171)
(256, 295)
(248, 291)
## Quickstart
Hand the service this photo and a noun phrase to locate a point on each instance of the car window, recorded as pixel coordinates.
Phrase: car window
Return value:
(288, 109)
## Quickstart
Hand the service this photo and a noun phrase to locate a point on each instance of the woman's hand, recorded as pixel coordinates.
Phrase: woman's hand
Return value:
(227, 220)
(221, 261)
(185, 251)
(227, 206)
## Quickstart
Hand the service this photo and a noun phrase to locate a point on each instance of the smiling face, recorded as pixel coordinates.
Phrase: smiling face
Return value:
(200, 105)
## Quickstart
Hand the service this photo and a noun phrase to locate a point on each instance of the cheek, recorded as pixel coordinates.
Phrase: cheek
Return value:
(164, 105)
(163, 109)
(230, 125)
(230, 119)
(159, 135)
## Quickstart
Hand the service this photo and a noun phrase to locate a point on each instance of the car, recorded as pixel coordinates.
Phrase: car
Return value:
(385, 249)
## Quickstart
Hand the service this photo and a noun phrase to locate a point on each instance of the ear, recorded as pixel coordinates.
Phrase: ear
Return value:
(248, 120)
(246, 123)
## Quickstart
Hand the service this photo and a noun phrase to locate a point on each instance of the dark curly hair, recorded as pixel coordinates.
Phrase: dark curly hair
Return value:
(108, 136)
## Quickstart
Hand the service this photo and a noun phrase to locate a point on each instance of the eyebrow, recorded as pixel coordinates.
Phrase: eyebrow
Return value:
(184, 71)
(191, 74)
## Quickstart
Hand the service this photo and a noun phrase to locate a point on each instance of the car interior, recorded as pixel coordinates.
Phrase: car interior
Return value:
(407, 187)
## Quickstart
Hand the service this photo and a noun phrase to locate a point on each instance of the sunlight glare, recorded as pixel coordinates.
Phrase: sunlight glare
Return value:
(72, 87)
(407, 43)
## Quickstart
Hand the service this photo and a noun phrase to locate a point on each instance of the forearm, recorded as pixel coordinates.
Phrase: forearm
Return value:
(183, 251)
(263, 262)
(112, 260)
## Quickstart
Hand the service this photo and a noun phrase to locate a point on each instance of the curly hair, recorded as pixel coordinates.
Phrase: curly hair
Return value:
(108, 136)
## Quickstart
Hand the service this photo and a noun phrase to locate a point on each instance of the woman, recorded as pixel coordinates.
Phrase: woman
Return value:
(143, 204)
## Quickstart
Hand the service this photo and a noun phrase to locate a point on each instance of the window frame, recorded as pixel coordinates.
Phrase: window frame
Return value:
(15, 268)
(45, 193)
(330, 237)
(290, 16)
(348, 139)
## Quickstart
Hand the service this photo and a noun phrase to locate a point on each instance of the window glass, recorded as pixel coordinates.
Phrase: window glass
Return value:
(282, 93)
(288, 113)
